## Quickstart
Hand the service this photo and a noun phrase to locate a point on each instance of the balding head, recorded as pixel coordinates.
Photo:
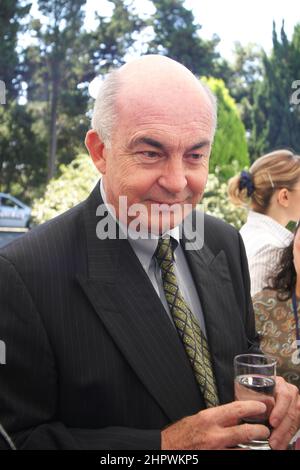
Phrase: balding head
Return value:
(154, 71)
(147, 81)
(156, 151)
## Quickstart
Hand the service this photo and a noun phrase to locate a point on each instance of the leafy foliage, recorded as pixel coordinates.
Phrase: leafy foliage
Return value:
(74, 184)
(113, 38)
(176, 35)
(56, 67)
(12, 15)
(230, 152)
(216, 203)
(52, 70)
(246, 73)
(276, 120)
(22, 151)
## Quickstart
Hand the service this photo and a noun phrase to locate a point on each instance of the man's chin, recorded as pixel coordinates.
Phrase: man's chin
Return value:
(154, 220)
(160, 228)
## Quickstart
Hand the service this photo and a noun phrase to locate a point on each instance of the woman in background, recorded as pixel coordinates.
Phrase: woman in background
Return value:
(277, 312)
(271, 190)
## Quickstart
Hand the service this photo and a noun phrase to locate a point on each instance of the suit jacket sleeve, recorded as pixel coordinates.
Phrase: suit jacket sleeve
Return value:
(28, 382)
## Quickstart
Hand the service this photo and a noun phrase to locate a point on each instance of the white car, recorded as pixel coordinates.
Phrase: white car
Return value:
(13, 213)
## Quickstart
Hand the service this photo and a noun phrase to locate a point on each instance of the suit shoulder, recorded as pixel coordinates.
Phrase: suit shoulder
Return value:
(219, 235)
(219, 226)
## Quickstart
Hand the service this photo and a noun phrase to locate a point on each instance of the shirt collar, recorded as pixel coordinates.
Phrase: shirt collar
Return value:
(143, 248)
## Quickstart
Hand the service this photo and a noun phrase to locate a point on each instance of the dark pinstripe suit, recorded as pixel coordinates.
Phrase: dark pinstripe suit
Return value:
(93, 361)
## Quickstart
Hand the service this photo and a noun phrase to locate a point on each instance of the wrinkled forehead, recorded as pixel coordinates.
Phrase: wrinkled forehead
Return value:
(176, 103)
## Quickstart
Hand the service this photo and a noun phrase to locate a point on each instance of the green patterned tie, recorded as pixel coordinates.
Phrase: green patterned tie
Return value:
(189, 330)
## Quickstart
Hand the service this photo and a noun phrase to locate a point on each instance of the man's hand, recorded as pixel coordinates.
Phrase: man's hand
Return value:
(285, 416)
(216, 428)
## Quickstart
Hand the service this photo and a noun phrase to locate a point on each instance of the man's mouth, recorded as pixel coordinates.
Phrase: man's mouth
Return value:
(169, 203)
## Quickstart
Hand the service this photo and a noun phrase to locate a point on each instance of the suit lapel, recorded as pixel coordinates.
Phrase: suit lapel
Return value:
(128, 306)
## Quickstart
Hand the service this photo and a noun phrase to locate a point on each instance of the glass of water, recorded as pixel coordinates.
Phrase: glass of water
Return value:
(254, 379)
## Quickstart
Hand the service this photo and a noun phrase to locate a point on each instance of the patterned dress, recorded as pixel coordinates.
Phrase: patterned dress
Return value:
(275, 323)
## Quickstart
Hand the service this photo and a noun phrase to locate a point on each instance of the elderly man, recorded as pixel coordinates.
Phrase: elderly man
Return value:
(123, 342)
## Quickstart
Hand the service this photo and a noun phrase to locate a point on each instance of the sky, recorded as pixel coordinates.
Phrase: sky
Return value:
(232, 20)
(244, 21)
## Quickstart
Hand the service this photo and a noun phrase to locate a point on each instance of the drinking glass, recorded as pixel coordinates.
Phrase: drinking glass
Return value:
(254, 379)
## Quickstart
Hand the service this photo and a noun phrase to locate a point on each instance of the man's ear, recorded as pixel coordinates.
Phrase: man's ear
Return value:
(96, 150)
(283, 197)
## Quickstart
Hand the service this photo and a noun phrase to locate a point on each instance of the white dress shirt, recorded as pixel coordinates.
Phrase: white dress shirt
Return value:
(145, 249)
(264, 239)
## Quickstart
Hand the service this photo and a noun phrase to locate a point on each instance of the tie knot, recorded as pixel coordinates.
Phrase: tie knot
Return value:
(165, 250)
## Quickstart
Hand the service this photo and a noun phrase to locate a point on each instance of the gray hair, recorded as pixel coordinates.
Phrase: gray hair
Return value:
(105, 115)
(214, 104)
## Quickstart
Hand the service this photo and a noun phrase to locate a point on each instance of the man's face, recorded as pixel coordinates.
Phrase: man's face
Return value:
(159, 155)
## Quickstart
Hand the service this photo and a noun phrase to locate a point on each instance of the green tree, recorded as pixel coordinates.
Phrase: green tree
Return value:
(276, 120)
(12, 15)
(22, 151)
(113, 38)
(229, 152)
(176, 35)
(21, 146)
(60, 47)
(61, 62)
(56, 68)
(246, 72)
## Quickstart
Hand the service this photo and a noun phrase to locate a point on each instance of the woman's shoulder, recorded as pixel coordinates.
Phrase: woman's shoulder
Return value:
(266, 306)
(260, 243)
(264, 294)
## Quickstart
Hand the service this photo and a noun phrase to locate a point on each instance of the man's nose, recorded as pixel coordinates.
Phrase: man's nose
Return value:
(173, 178)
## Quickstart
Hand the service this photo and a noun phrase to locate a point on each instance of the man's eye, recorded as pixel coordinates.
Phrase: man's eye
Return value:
(196, 156)
(150, 154)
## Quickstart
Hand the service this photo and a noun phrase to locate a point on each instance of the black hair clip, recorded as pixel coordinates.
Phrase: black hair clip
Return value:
(246, 182)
